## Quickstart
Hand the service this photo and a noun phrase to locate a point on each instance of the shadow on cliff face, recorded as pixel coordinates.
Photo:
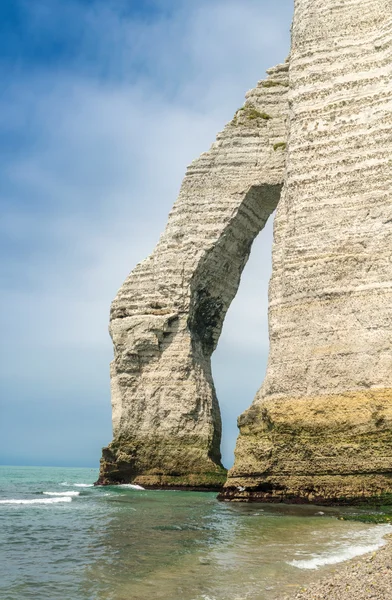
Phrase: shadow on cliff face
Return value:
(213, 287)
(240, 359)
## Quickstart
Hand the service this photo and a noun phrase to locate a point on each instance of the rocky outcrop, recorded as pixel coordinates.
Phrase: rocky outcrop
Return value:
(167, 317)
(320, 428)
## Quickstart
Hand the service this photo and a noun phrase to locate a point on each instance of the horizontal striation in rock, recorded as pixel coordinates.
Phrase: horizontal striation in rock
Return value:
(167, 317)
(330, 314)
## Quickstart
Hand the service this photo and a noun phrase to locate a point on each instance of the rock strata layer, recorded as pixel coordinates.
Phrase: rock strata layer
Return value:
(320, 428)
(167, 317)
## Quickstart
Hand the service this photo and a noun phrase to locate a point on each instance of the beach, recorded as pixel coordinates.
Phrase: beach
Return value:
(366, 578)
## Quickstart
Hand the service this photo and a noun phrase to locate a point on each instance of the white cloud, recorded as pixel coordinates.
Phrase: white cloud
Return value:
(106, 139)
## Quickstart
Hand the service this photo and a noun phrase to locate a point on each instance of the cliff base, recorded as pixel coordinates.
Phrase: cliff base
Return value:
(330, 449)
(122, 463)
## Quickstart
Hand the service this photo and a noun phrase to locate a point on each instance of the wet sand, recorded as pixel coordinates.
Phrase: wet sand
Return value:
(365, 578)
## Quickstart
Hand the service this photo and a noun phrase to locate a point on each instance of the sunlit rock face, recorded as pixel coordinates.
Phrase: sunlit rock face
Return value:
(320, 428)
(167, 317)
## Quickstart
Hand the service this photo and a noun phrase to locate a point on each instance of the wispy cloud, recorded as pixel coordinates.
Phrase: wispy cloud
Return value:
(98, 131)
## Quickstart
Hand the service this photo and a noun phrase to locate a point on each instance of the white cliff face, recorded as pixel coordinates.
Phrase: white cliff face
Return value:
(320, 427)
(167, 317)
(333, 236)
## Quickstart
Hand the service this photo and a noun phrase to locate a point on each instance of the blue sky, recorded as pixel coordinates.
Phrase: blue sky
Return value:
(104, 103)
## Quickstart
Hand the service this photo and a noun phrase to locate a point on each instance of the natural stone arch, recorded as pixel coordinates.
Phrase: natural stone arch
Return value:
(320, 427)
(168, 315)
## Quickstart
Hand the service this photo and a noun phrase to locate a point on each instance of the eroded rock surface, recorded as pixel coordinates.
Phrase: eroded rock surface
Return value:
(320, 427)
(167, 317)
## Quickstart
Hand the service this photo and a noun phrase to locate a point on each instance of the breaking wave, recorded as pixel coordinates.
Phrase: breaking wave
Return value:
(86, 485)
(131, 486)
(70, 494)
(37, 500)
(83, 484)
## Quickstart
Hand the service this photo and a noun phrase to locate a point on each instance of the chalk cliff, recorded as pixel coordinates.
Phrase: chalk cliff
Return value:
(321, 425)
(320, 428)
(167, 317)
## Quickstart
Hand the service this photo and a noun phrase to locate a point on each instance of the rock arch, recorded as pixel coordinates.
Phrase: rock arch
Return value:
(320, 428)
(167, 317)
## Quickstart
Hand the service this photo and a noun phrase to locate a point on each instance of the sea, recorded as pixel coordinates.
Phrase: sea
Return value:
(61, 538)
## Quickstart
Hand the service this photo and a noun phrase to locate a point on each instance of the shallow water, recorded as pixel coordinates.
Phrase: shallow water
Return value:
(61, 538)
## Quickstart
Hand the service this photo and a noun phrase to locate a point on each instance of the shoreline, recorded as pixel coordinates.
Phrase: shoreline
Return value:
(367, 577)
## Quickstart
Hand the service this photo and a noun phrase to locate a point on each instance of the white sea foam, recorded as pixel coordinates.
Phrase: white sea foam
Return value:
(37, 500)
(86, 485)
(368, 541)
(70, 494)
(131, 486)
(83, 485)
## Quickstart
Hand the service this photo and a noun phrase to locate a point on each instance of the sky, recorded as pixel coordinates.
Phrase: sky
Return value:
(103, 105)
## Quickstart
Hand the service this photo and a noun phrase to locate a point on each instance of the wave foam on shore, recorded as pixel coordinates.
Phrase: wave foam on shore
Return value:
(372, 540)
(131, 486)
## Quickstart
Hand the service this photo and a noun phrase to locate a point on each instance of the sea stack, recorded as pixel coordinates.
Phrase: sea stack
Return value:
(166, 319)
(320, 428)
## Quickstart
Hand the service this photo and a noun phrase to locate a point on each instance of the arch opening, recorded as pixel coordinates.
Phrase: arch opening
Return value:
(240, 359)
(169, 422)
(215, 284)
(166, 416)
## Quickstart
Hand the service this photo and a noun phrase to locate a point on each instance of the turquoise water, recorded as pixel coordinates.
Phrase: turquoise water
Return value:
(61, 538)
